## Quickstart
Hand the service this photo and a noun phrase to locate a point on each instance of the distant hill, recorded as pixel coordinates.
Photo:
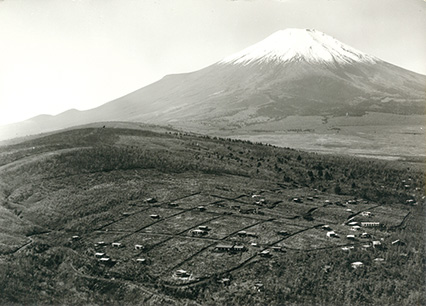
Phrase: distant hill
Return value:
(292, 72)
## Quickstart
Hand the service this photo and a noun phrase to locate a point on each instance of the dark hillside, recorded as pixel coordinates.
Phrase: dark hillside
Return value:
(95, 184)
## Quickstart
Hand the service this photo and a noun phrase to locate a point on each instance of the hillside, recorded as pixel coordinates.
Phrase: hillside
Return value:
(120, 215)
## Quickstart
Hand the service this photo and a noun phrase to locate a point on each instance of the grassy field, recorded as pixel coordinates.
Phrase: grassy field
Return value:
(67, 196)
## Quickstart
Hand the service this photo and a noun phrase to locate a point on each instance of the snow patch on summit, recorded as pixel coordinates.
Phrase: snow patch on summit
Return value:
(299, 44)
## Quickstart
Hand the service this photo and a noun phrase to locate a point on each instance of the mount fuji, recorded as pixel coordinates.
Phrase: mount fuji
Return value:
(293, 72)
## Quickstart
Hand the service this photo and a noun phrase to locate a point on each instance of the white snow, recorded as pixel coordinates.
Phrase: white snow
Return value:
(299, 44)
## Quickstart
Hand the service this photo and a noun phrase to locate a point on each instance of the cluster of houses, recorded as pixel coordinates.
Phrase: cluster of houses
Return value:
(103, 258)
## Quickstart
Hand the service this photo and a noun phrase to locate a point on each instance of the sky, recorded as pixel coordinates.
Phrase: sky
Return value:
(57, 55)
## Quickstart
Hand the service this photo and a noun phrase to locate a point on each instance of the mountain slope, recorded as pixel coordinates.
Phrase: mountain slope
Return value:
(292, 72)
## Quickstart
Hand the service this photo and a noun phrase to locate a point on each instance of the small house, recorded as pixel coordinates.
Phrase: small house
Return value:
(326, 227)
(355, 228)
(370, 224)
(201, 208)
(265, 253)
(117, 245)
(138, 247)
(126, 214)
(283, 233)
(366, 214)
(277, 249)
(254, 244)
(297, 200)
(223, 248)
(310, 198)
(377, 244)
(357, 264)
(259, 287)
(155, 216)
(99, 255)
(353, 223)
(353, 202)
(332, 234)
(75, 237)
(350, 237)
(365, 235)
(141, 260)
(173, 204)
(151, 200)
(204, 228)
(182, 273)
(100, 243)
(379, 259)
(198, 232)
(239, 248)
(105, 259)
(225, 281)
(347, 248)
(242, 233)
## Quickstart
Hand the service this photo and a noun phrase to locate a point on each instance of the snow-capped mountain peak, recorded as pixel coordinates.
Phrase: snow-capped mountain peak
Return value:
(299, 44)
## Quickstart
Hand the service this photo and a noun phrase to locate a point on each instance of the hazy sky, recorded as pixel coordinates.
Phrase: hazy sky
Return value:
(62, 54)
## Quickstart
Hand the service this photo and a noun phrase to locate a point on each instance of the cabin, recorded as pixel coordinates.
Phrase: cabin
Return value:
(347, 248)
(355, 228)
(100, 243)
(246, 234)
(379, 259)
(138, 247)
(173, 204)
(151, 200)
(203, 228)
(277, 249)
(239, 248)
(365, 235)
(350, 237)
(182, 273)
(155, 216)
(332, 234)
(259, 287)
(198, 232)
(366, 214)
(141, 260)
(326, 227)
(117, 245)
(201, 208)
(297, 200)
(242, 233)
(254, 244)
(353, 223)
(265, 253)
(370, 224)
(353, 202)
(99, 255)
(357, 264)
(75, 238)
(377, 244)
(225, 281)
(310, 198)
(283, 233)
(126, 214)
(223, 247)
